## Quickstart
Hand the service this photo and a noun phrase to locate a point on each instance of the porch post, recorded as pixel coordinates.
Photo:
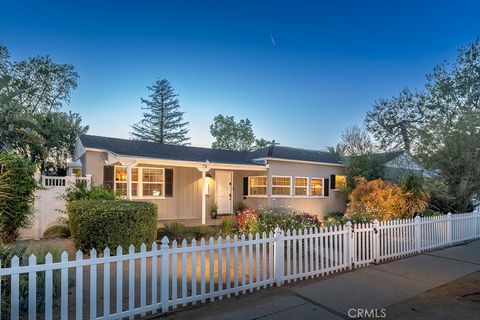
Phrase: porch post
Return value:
(204, 169)
(129, 181)
(204, 196)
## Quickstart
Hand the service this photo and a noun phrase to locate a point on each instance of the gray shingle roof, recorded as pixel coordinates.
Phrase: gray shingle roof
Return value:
(289, 153)
(197, 154)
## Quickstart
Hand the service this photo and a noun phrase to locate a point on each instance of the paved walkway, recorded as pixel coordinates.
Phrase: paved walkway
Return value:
(393, 285)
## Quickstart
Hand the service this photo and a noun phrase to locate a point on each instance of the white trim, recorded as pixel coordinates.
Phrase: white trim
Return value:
(231, 190)
(140, 182)
(301, 187)
(281, 186)
(301, 161)
(181, 163)
(258, 186)
(257, 196)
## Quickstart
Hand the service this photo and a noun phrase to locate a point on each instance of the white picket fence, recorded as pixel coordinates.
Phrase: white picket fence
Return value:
(120, 285)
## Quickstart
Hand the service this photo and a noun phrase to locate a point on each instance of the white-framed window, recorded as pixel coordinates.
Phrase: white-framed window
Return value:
(340, 182)
(153, 182)
(257, 186)
(301, 186)
(281, 186)
(316, 187)
(121, 181)
(146, 182)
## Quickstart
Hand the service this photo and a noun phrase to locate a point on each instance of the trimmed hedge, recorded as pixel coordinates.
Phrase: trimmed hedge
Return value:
(98, 224)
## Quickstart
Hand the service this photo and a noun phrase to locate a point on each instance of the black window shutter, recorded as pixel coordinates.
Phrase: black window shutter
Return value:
(326, 189)
(108, 176)
(332, 182)
(245, 186)
(168, 182)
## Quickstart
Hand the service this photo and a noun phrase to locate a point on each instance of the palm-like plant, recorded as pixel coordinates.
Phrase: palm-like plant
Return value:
(17, 128)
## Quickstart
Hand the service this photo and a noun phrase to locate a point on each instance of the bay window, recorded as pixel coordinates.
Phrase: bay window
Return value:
(301, 186)
(281, 186)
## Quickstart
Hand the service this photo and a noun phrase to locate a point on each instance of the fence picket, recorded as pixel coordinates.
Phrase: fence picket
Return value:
(309, 253)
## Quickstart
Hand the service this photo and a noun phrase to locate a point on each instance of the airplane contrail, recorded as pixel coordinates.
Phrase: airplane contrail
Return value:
(273, 39)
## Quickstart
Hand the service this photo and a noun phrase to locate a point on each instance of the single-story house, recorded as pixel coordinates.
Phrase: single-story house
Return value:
(184, 181)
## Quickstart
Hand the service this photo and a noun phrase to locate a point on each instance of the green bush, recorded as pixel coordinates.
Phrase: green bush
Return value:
(228, 227)
(17, 187)
(98, 224)
(23, 251)
(173, 231)
(81, 192)
(59, 230)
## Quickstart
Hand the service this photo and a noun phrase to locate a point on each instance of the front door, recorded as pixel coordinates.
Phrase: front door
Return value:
(223, 191)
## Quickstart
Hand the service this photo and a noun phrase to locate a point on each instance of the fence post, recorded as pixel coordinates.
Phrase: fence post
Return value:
(376, 241)
(278, 259)
(418, 234)
(165, 271)
(449, 229)
(348, 243)
(477, 224)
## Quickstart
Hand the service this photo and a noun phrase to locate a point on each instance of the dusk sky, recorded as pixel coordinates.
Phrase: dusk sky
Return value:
(300, 71)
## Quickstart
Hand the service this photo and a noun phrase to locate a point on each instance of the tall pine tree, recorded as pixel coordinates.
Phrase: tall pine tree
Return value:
(162, 121)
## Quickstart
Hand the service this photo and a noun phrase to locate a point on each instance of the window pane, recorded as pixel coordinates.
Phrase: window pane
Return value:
(153, 189)
(122, 188)
(301, 191)
(152, 175)
(134, 174)
(120, 174)
(300, 182)
(258, 181)
(340, 182)
(258, 191)
(316, 187)
(281, 191)
(281, 181)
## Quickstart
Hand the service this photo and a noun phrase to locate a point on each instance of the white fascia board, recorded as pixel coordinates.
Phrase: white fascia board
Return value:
(301, 161)
(191, 164)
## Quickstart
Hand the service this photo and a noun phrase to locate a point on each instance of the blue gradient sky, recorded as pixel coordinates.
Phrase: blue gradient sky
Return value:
(330, 60)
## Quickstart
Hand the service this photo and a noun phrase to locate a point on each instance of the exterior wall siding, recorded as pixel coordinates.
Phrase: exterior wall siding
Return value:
(318, 206)
(187, 188)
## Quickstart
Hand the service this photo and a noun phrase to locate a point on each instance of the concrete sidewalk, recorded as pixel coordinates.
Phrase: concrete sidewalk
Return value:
(374, 287)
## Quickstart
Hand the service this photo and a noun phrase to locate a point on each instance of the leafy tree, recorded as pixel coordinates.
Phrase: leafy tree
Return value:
(232, 135)
(360, 155)
(355, 141)
(37, 89)
(19, 183)
(162, 121)
(263, 143)
(62, 130)
(16, 128)
(395, 122)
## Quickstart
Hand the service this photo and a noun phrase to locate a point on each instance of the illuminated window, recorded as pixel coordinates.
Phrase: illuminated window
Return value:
(152, 182)
(301, 186)
(316, 187)
(257, 186)
(340, 182)
(121, 181)
(281, 186)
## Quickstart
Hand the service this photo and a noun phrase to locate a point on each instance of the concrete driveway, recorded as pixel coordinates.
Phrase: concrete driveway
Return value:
(389, 290)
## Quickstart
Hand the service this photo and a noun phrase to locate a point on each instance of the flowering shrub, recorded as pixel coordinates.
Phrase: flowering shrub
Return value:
(378, 199)
(245, 218)
(267, 219)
